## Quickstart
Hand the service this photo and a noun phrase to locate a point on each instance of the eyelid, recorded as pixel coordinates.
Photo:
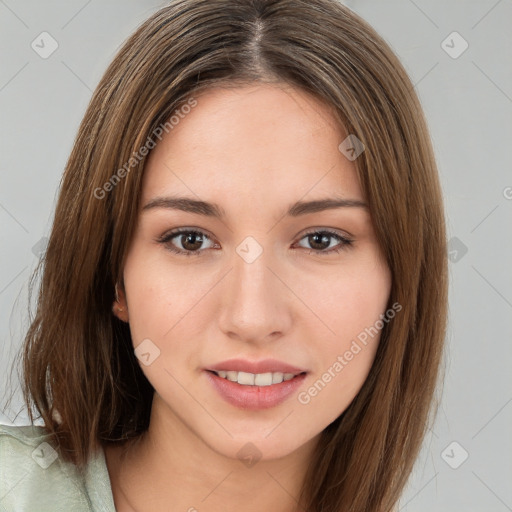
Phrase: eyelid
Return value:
(343, 234)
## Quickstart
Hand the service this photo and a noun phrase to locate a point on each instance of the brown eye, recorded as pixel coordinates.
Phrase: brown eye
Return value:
(191, 241)
(187, 242)
(319, 241)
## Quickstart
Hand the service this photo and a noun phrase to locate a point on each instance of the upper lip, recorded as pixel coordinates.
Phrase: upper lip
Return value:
(263, 366)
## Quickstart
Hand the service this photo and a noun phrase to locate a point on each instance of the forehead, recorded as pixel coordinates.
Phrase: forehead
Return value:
(252, 145)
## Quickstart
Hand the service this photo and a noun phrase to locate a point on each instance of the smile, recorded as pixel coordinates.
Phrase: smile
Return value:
(255, 379)
(255, 391)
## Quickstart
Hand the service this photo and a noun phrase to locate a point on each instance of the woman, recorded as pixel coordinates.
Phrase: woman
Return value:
(243, 299)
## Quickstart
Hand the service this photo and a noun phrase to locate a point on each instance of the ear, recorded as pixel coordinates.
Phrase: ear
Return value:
(120, 306)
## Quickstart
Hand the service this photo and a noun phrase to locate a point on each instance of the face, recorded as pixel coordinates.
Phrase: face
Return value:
(279, 291)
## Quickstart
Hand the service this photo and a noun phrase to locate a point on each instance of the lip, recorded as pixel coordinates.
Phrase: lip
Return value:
(263, 366)
(254, 397)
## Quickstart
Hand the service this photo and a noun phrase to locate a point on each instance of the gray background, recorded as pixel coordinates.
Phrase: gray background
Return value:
(468, 102)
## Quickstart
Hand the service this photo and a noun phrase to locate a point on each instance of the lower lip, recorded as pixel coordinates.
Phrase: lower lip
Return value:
(254, 397)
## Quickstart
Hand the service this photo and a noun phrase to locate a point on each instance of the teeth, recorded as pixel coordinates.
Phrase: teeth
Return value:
(232, 376)
(263, 379)
(277, 377)
(246, 378)
(255, 379)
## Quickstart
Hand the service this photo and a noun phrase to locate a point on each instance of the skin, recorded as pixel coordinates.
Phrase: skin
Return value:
(254, 151)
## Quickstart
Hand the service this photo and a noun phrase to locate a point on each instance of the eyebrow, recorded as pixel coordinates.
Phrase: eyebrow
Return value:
(198, 207)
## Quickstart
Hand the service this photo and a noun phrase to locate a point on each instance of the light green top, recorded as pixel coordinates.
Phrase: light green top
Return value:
(33, 478)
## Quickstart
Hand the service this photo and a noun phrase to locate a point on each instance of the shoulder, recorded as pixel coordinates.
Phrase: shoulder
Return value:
(24, 434)
(33, 477)
(20, 443)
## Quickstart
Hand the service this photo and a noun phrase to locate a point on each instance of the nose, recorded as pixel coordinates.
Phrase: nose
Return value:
(256, 304)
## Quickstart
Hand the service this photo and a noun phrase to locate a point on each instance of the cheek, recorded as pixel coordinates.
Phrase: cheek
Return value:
(360, 301)
(351, 306)
(352, 297)
(156, 300)
(160, 310)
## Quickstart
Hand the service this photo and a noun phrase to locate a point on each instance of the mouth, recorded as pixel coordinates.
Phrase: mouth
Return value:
(255, 391)
(255, 385)
(255, 379)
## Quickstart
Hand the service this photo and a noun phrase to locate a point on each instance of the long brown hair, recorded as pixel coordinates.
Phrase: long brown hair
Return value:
(78, 358)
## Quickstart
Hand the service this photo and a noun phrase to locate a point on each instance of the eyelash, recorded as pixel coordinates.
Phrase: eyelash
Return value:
(167, 237)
